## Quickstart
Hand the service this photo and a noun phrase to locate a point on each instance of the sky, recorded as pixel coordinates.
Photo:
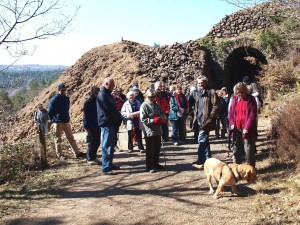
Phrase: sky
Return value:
(102, 22)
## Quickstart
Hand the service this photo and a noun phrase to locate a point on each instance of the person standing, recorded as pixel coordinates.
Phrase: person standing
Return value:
(131, 112)
(90, 124)
(41, 118)
(152, 117)
(242, 119)
(109, 121)
(192, 100)
(162, 100)
(178, 112)
(205, 111)
(58, 110)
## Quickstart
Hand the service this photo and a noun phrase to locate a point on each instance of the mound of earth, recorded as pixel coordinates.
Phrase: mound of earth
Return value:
(124, 61)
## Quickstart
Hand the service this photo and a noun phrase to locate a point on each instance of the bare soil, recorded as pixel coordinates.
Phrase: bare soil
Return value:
(177, 195)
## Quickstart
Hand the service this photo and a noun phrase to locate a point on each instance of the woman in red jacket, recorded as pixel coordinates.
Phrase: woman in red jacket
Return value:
(242, 119)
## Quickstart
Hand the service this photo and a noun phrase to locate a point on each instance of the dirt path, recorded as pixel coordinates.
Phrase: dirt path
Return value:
(176, 196)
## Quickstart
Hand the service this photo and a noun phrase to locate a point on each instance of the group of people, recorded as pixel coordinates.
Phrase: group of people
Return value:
(150, 117)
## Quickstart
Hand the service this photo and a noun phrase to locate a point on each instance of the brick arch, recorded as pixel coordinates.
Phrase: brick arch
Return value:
(242, 59)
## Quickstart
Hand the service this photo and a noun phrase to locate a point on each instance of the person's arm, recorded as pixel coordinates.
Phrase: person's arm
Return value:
(251, 119)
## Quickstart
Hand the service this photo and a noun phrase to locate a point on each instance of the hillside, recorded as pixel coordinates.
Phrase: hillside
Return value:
(126, 62)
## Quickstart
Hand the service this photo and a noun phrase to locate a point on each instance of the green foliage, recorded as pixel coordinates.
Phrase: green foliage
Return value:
(4, 99)
(276, 19)
(215, 49)
(271, 41)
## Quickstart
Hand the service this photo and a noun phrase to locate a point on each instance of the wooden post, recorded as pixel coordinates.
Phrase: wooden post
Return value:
(42, 142)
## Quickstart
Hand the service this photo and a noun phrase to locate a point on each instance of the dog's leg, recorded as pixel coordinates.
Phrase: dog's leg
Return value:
(234, 190)
(219, 189)
(211, 189)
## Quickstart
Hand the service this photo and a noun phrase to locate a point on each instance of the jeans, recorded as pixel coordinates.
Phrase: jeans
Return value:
(109, 136)
(93, 141)
(203, 147)
(177, 129)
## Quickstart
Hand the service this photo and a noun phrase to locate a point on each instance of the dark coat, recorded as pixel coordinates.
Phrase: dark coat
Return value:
(211, 106)
(90, 119)
(107, 111)
(58, 109)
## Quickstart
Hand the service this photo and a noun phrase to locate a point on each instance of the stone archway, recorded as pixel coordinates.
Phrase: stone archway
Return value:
(242, 61)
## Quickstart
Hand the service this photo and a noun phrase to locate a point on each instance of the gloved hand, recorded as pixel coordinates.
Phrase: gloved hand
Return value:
(157, 120)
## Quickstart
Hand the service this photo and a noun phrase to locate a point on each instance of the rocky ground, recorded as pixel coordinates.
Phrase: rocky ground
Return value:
(177, 195)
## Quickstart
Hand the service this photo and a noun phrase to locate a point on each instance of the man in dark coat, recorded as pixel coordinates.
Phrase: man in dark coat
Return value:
(58, 110)
(109, 121)
(90, 124)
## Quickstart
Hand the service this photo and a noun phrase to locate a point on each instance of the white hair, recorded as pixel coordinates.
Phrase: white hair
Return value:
(129, 93)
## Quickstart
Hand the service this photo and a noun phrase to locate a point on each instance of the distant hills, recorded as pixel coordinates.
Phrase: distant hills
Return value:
(16, 77)
(31, 67)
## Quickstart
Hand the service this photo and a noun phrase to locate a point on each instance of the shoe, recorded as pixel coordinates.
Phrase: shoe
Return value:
(108, 173)
(196, 163)
(61, 157)
(153, 171)
(200, 167)
(142, 151)
(114, 167)
(80, 155)
(92, 162)
(130, 150)
(98, 161)
(175, 143)
(158, 166)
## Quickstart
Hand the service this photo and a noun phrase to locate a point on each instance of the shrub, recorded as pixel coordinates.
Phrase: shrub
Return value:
(16, 160)
(286, 132)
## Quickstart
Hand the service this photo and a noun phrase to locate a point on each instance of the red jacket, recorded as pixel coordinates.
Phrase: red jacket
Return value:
(162, 100)
(251, 116)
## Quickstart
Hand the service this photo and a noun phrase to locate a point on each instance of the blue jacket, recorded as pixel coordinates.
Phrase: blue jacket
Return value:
(107, 112)
(58, 109)
(90, 113)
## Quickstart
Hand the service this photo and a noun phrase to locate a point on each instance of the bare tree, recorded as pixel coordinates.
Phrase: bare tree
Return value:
(23, 21)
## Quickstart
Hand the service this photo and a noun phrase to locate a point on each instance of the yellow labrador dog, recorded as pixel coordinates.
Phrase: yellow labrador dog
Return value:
(227, 175)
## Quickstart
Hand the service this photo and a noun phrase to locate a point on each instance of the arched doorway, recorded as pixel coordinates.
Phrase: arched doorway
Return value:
(242, 61)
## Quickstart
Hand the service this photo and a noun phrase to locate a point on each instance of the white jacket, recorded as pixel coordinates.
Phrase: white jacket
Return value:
(128, 115)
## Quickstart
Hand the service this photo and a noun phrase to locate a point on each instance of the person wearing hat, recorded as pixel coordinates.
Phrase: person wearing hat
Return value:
(58, 110)
(152, 117)
(109, 121)
(41, 118)
(140, 95)
(90, 124)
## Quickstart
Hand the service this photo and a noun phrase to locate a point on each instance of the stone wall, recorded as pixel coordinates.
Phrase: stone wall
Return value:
(244, 21)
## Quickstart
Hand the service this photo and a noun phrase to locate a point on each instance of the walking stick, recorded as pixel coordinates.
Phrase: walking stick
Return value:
(162, 148)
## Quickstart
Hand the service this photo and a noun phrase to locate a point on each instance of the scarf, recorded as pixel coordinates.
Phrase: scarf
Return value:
(181, 100)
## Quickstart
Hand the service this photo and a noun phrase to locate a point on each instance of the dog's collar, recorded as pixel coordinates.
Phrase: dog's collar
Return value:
(236, 179)
(237, 170)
